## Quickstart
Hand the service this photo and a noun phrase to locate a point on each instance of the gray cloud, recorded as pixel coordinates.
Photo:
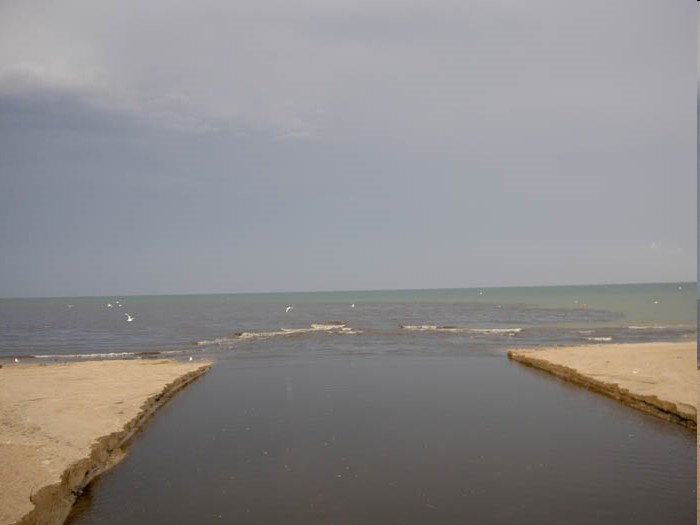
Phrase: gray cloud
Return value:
(194, 147)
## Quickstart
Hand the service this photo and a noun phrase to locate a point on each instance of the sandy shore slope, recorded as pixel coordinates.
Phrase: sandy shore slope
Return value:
(659, 378)
(63, 424)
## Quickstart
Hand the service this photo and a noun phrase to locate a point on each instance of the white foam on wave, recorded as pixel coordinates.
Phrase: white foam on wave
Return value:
(497, 331)
(105, 355)
(599, 339)
(420, 328)
(462, 330)
(648, 327)
(221, 341)
(336, 327)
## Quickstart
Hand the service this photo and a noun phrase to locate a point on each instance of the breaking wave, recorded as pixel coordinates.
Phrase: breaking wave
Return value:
(462, 330)
(599, 339)
(335, 327)
(106, 355)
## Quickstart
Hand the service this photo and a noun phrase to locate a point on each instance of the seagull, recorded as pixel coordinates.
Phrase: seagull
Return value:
(190, 358)
(109, 305)
(352, 305)
(16, 360)
(128, 318)
(288, 308)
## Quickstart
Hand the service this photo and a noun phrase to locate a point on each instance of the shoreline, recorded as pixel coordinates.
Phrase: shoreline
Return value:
(656, 378)
(73, 427)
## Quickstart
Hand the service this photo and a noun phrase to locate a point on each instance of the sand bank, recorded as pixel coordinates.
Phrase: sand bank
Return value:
(658, 378)
(61, 425)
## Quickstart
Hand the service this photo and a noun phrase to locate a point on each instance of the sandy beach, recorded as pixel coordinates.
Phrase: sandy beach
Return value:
(658, 378)
(63, 424)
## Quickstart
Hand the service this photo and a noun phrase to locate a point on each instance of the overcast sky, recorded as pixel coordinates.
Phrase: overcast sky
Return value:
(210, 146)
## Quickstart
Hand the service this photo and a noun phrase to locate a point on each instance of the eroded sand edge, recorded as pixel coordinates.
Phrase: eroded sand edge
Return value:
(657, 378)
(52, 502)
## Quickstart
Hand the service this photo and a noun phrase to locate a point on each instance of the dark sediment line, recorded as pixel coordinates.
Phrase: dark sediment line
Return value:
(53, 503)
(649, 404)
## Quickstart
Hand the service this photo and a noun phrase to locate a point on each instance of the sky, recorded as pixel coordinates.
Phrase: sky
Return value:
(305, 145)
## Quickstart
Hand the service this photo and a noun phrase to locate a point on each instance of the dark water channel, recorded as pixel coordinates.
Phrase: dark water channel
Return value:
(301, 433)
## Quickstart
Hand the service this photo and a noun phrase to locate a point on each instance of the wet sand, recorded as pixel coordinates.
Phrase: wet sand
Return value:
(658, 378)
(61, 425)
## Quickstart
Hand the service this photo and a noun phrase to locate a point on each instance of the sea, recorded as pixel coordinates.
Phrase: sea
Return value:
(386, 407)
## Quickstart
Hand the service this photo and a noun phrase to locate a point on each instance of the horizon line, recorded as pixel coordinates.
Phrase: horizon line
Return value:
(367, 290)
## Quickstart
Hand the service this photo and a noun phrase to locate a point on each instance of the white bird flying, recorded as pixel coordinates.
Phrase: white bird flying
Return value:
(109, 305)
(288, 309)
(128, 318)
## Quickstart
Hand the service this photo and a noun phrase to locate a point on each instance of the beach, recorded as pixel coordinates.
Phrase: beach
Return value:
(304, 421)
(64, 424)
(658, 378)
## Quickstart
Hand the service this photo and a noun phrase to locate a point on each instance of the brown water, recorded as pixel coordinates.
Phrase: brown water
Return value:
(377, 429)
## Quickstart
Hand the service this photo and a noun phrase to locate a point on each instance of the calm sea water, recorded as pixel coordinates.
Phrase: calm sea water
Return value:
(401, 409)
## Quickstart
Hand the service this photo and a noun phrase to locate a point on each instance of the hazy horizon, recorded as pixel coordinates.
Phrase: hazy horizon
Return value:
(301, 292)
(175, 148)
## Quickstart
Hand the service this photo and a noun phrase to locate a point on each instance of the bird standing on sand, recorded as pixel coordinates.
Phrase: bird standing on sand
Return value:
(288, 309)
(128, 318)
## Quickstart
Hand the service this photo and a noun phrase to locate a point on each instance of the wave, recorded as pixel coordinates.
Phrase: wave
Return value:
(333, 327)
(220, 341)
(648, 327)
(599, 339)
(105, 355)
(462, 330)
